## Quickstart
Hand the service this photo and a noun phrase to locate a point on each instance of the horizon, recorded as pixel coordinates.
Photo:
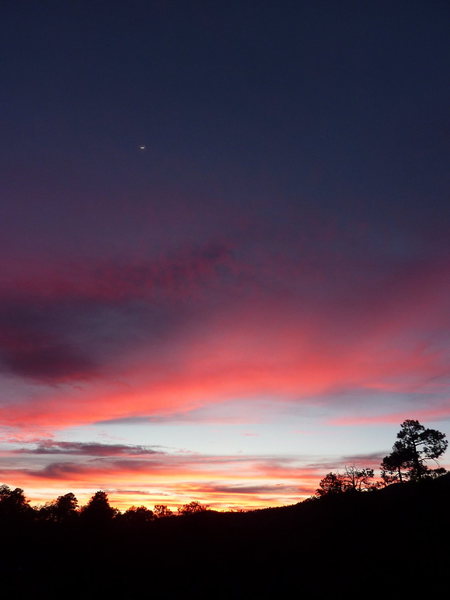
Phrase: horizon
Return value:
(224, 249)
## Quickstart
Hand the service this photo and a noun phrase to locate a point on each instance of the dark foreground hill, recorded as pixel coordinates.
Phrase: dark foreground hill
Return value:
(390, 541)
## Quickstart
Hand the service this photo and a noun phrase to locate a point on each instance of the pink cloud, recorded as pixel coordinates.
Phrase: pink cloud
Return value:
(172, 275)
(254, 342)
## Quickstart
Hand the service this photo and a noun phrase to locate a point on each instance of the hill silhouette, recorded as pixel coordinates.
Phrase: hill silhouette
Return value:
(392, 541)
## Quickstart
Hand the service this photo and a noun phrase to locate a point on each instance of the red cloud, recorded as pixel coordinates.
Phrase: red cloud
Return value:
(168, 276)
(244, 341)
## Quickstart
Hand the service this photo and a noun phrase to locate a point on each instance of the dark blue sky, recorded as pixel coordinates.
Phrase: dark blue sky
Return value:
(245, 107)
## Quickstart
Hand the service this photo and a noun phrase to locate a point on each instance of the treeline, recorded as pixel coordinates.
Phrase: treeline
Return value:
(98, 512)
(414, 449)
(391, 538)
(394, 540)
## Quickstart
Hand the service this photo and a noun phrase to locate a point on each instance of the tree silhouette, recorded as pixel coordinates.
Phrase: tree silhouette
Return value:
(161, 510)
(61, 510)
(393, 466)
(98, 510)
(330, 485)
(13, 503)
(358, 479)
(137, 515)
(66, 507)
(415, 446)
(353, 480)
(192, 508)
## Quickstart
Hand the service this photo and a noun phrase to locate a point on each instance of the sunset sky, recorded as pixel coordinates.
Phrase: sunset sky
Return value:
(224, 244)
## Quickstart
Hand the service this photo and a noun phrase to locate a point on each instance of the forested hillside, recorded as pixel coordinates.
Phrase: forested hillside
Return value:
(389, 540)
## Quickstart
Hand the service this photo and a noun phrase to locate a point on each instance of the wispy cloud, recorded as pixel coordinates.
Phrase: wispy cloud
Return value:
(87, 449)
(214, 479)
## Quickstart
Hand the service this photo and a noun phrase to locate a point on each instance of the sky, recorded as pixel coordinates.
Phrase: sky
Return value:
(224, 244)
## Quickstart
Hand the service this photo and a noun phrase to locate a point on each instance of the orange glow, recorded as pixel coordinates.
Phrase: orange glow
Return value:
(222, 482)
